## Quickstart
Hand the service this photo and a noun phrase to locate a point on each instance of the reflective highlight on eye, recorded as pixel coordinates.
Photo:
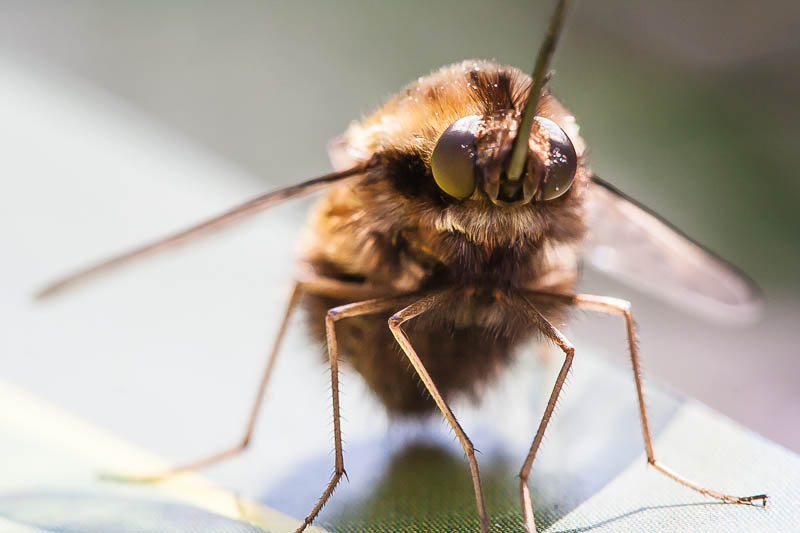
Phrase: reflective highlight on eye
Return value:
(453, 158)
(562, 162)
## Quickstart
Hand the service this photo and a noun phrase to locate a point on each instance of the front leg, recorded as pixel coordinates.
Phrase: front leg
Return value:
(334, 315)
(524, 307)
(395, 324)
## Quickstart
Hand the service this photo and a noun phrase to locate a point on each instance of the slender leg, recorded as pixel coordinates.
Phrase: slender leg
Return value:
(334, 315)
(527, 309)
(604, 304)
(395, 323)
(312, 285)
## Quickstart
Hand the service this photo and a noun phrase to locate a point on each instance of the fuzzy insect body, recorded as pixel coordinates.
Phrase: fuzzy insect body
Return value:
(394, 230)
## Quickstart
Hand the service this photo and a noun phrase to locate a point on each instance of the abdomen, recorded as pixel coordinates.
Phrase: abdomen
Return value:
(464, 344)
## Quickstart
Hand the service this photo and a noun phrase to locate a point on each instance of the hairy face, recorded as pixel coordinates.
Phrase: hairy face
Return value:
(403, 135)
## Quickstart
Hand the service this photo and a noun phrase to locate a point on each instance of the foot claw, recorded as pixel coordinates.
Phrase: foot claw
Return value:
(752, 499)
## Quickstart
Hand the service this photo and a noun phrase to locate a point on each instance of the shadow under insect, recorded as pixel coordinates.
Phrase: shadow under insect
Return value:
(415, 477)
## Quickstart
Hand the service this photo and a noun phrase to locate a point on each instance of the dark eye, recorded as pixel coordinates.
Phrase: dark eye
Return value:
(562, 162)
(453, 158)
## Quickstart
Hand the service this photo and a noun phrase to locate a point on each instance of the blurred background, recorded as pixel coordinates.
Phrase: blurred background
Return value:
(690, 107)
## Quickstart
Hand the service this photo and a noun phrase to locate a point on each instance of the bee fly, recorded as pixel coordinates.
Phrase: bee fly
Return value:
(451, 233)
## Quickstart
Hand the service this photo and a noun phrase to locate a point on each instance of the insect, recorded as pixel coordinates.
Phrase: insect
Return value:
(451, 233)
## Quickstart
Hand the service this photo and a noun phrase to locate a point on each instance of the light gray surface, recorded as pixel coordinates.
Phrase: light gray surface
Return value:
(639, 500)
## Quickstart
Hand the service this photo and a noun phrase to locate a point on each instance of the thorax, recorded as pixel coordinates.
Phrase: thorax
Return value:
(349, 239)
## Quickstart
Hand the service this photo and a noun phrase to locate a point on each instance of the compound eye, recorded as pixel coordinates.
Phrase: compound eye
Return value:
(453, 158)
(562, 162)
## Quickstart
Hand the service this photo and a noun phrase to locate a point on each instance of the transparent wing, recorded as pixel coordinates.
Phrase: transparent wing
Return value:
(225, 219)
(632, 243)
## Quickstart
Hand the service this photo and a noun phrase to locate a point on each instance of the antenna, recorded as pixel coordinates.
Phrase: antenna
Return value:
(519, 152)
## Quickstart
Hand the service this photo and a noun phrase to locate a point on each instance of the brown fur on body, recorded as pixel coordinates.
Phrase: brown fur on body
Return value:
(393, 228)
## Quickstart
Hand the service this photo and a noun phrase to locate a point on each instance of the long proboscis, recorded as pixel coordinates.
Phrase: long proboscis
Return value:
(519, 152)
(235, 214)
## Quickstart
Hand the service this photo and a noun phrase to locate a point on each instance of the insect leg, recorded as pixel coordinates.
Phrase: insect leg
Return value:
(334, 315)
(313, 285)
(604, 304)
(395, 323)
(527, 309)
